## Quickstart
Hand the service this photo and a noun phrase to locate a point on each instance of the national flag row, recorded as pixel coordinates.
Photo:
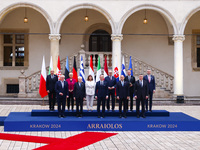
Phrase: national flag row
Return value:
(42, 87)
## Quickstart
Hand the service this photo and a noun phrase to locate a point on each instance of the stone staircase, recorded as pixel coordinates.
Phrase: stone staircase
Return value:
(164, 81)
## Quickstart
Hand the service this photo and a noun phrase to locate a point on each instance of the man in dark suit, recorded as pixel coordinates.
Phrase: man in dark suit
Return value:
(152, 88)
(62, 93)
(131, 79)
(122, 90)
(101, 94)
(50, 87)
(111, 81)
(141, 94)
(79, 96)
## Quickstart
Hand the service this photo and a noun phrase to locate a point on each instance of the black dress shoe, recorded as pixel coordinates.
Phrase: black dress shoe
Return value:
(98, 116)
(125, 116)
(150, 110)
(103, 116)
(144, 116)
(138, 116)
(120, 116)
(59, 116)
(81, 115)
(63, 116)
(113, 110)
(77, 115)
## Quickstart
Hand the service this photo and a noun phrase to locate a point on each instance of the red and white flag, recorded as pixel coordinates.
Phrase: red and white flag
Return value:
(116, 71)
(42, 88)
(91, 70)
(105, 67)
(58, 72)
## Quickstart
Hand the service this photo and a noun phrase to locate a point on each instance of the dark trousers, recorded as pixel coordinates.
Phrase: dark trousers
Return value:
(112, 95)
(131, 101)
(150, 101)
(138, 101)
(70, 100)
(79, 104)
(101, 100)
(52, 100)
(124, 100)
(61, 105)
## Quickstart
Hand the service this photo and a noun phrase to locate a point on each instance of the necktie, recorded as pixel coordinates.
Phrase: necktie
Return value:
(129, 78)
(79, 84)
(149, 77)
(141, 83)
(110, 77)
(62, 84)
(101, 82)
(122, 83)
(51, 76)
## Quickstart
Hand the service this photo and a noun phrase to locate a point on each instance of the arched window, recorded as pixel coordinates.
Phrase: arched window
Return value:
(100, 41)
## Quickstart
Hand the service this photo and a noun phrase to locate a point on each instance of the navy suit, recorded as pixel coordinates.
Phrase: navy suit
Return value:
(101, 91)
(50, 85)
(79, 94)
(131, 90)
(61, 100)
(151, 87)
(141, 92)
(122, 91)
(111, 83)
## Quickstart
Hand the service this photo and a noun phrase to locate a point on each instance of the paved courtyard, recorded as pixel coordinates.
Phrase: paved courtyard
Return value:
(121, 141)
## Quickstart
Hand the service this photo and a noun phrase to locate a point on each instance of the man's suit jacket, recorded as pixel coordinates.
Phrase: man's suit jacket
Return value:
(59, 89)
(132, 81)
(79, 91)
(122, 91)
(111, 83)
(141, 92)
(151, 84)
(50, 83)
(101, 90)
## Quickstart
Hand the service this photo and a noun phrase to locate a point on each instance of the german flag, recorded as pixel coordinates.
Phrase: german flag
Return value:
(74, 71)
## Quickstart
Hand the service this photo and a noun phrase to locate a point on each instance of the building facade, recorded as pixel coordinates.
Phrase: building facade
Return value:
(169, 43)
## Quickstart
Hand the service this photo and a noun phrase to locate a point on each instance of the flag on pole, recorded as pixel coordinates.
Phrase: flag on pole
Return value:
(74, 71)
(50, 65)
(91, 70)
(67, 69)
(98, 70)
(116, 71)
(123, 72)
(42, 88)
(82, 73)
(105, 67)
(130, 66)
(58, 72)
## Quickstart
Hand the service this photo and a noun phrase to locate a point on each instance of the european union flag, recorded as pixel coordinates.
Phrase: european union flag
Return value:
(130, 66)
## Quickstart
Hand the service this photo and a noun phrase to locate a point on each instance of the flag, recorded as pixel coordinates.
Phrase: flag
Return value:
(82, 73)
(116, 71)
(105, 68)
(98, 70)
(91, 70)
(42, 88)
(74, 71)
(58, 73)
(123, 72)
(67, 69)
(50, 66)
(130, 66)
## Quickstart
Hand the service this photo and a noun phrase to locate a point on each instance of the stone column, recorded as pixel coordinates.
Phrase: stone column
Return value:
(116, 51)
(54, 49)
(22, 85)
(178, 66)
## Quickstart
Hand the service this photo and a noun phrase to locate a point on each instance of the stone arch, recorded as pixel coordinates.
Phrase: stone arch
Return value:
(11, 7)
(84, 6)
(166, 14)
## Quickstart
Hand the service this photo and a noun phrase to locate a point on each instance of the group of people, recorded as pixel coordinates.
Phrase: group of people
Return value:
(104, 90)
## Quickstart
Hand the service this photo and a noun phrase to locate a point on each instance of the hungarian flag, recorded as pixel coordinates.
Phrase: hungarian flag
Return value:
(91, 69)
(50, 65)
(42, 88)
(67, 69)
(58, 73)
(98, 70)
(105, 67)
(74, 71)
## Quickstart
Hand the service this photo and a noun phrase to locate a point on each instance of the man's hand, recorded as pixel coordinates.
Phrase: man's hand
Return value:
(131, 84)
(61, 94)
(135, 97)
(83, 98)
(95, 97)
(117, 97)
(67, 96)
(154, 91)
(109, 88)
(74, 98)
(48, 91)
(146, 97)
(106, 97)
(128, 97)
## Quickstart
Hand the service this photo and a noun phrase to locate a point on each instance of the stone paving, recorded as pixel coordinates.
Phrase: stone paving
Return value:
(122, 141)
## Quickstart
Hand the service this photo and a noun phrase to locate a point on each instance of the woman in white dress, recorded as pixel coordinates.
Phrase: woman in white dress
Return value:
(90, 91)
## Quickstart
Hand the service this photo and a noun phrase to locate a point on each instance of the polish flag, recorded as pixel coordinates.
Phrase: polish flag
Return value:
(58, 73)
(91, 70)
(105, 68)
(42, 88)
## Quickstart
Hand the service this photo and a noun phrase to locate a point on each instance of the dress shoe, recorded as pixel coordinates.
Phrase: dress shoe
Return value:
(150, 110)
(103, 116)
(81, 115)
(138, 116)
(77, 115)
(63, 116)
(59, 116)
(98, 116)
(125, 116)
(144, 116)
(113, 110)
(120, 116)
